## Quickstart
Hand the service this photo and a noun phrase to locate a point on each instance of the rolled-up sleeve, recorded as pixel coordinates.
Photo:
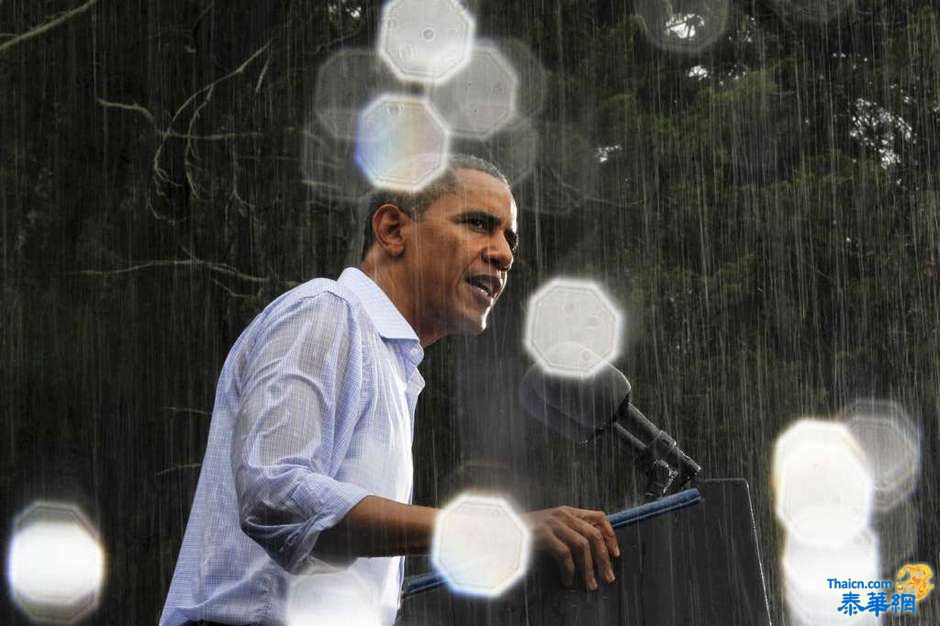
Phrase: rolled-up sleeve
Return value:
(301, 392)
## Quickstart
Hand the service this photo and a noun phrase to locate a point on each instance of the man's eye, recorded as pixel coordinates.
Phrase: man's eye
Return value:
(477, 223)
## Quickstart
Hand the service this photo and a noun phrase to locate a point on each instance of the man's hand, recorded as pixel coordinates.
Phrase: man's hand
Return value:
(576, 537)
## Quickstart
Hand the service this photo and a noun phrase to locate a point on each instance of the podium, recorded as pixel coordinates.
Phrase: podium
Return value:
(687, 559)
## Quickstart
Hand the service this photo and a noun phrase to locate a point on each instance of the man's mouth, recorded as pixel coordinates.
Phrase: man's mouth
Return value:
(486, 287)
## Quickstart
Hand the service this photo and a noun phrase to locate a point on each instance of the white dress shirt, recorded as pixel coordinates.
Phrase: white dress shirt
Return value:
(314, 411)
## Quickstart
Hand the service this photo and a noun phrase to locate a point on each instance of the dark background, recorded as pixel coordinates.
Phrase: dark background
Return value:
(770, 229)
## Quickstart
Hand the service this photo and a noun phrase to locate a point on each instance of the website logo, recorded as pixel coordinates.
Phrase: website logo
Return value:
(911, 585)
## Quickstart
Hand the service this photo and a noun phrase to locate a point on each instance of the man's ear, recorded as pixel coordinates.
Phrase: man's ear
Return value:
(391, 227)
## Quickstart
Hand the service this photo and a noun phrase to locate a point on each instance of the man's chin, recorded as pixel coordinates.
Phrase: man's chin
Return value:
(472, 325)
(474, 329)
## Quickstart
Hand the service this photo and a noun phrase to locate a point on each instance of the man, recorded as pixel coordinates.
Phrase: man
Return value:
(308, 465)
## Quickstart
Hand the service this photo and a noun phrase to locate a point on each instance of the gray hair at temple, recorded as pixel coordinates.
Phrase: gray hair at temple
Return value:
(415, 204)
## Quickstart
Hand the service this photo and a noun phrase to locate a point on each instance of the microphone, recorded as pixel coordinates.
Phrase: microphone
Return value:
(580, 409)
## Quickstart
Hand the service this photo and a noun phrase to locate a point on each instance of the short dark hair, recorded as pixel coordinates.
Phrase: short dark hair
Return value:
(415, 204)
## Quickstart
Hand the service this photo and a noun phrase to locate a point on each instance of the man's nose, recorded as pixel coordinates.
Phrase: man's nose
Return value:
(499, 254)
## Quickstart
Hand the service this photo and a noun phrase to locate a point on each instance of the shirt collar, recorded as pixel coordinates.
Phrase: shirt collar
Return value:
(387, 319)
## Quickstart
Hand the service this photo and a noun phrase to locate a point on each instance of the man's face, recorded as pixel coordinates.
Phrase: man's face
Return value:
(461, 252)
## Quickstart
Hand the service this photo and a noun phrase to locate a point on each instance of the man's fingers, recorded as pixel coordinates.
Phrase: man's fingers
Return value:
(599, 519)
(562, 554)
(598, 548)
(578, 539)
(581, 549)
(610, 537)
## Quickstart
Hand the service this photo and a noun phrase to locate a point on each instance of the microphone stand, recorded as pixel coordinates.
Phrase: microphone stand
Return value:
(666, 466)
